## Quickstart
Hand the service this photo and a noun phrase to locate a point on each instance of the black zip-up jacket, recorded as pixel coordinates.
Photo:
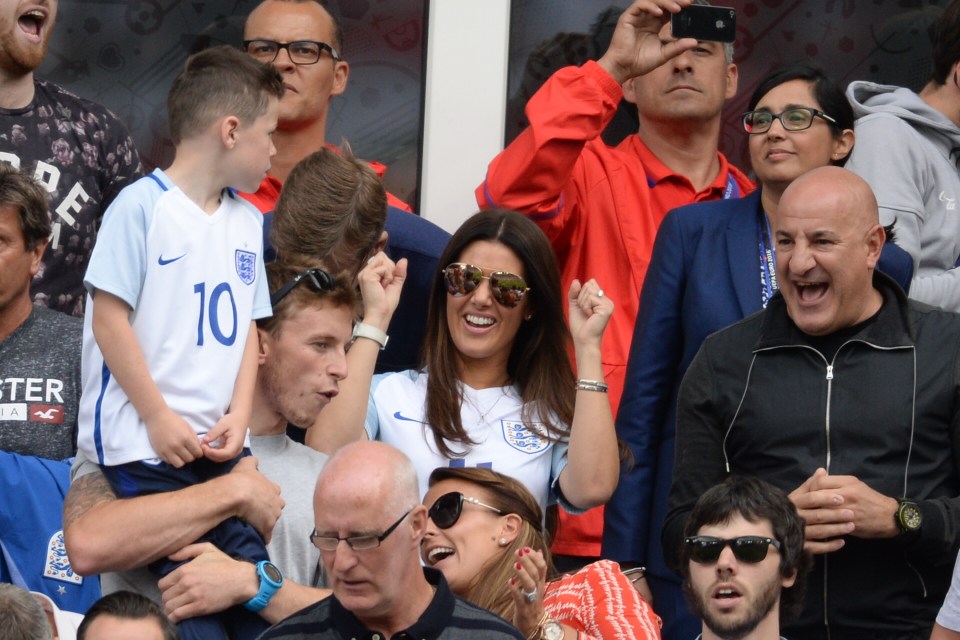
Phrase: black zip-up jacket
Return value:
(886, 409)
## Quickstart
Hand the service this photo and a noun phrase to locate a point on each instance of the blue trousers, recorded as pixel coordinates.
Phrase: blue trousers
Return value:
(233, 536)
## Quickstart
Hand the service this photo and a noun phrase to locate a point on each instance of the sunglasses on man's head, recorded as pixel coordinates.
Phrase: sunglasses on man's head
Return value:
(463, 279)
(447, 509)
(317, 279)
(750, 549)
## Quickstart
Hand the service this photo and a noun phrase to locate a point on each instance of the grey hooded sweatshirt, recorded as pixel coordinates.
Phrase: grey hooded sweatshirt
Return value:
(908, 152)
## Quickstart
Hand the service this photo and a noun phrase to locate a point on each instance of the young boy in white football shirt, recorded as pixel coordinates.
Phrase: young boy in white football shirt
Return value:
(176, 281)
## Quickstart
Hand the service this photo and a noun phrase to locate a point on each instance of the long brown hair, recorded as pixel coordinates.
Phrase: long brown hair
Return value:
(489, 588)
(538, 365)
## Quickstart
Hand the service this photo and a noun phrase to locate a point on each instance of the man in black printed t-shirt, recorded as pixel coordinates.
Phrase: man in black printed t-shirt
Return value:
(79, 151)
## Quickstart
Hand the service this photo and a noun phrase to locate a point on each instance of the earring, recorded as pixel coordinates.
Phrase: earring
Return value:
(503, 542)
(528, 316)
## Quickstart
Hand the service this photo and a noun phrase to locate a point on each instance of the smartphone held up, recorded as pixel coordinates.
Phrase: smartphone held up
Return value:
(716, 24)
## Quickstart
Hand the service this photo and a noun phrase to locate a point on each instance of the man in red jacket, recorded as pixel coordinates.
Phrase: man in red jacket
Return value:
(601, 206)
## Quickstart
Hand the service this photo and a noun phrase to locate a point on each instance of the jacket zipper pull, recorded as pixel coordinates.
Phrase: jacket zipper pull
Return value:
(829, 372)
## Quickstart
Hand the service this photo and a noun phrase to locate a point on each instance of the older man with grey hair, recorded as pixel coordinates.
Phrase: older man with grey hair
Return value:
(21, 616)
(369, 524)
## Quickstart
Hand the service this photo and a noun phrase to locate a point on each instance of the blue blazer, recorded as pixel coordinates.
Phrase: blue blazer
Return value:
(704, 275)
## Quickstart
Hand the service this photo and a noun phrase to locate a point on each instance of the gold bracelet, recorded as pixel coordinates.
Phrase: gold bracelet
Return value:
(538, 630)
(592, 385)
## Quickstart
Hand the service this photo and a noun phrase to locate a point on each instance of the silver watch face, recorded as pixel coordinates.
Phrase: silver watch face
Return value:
(552, 630)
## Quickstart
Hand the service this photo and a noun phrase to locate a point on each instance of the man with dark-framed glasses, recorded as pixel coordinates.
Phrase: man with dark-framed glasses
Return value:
(304, 42)
(368, 527)
(742, 560)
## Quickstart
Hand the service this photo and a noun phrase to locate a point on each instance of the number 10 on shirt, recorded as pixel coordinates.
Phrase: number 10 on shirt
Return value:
(213, 316)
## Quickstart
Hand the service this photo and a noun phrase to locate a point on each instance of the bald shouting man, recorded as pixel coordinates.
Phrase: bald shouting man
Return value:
(844, 394)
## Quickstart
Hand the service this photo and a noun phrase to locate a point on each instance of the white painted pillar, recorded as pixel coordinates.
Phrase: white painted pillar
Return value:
(465, 101)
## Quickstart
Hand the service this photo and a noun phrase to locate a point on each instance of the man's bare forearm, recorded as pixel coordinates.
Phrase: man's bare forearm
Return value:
(104, 533)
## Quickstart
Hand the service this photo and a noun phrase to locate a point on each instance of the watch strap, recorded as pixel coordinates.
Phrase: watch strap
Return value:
(268, 587)
(362, 330)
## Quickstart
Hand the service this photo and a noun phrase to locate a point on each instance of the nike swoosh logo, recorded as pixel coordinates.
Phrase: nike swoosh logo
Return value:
(398, 416)
(163, 262)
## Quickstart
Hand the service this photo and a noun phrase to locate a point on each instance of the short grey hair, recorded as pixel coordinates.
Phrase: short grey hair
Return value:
(21, 616)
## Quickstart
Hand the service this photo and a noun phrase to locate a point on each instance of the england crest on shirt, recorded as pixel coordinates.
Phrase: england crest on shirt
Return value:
(57, 565)
(524, 437)
(246, 262)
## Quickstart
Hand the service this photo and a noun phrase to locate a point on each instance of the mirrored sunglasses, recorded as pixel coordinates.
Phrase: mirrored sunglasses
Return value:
(750, 549)
(463, 279)
(447, 509)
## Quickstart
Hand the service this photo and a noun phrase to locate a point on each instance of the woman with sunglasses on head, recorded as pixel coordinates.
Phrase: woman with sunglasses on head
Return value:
(497, 389)
(712, 265)
(485, 534)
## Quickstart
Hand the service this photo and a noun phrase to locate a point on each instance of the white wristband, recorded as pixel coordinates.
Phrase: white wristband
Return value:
(361, 330)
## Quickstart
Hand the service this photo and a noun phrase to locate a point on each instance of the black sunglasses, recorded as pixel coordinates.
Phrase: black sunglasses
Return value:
(751, 549)
(463, 279)
(318, 279)
(447, 509)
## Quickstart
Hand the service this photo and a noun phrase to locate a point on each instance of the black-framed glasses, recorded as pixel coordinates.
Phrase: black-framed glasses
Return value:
(463, 279)
(356, 543)
(750, 549)
(447, 509)
(300, 52)
(793, 119)
(318, 279)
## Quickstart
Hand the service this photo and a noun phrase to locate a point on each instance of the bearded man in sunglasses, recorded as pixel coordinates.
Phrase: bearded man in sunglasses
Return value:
(743, 561)
(845, 394)
(302, 361)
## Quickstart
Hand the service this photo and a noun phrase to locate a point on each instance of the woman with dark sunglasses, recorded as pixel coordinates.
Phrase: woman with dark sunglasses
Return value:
(712, 265)
(497, 389)
(485, 534)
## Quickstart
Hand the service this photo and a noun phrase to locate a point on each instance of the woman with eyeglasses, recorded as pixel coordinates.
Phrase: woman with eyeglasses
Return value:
(712, 265)
(497, 389)
(485, 534)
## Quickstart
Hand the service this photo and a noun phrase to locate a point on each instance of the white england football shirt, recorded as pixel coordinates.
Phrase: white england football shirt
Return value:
(194, 281)
(491, 418)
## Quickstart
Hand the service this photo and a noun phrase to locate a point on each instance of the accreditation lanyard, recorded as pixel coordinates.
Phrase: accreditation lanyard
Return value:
(732, 191)
(768, 260)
